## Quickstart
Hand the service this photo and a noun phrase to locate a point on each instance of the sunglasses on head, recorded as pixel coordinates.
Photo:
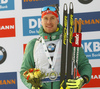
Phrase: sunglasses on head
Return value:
(48, 7)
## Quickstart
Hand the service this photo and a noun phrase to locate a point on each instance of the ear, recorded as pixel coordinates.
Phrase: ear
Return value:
(57, 20)
(41, 21)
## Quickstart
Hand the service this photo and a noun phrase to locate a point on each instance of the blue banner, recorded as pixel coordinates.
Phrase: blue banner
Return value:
(90, 21)
(8, 80)
(6, 5)
(26, 4)
(92, 48)
(31, 25)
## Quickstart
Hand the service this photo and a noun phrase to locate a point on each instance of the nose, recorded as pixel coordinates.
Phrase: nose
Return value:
(49, 21)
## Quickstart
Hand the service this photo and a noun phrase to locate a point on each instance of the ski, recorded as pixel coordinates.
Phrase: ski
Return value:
(74, 48)
(76, 44)
(70, 36)
(79, 45)
(63, 54)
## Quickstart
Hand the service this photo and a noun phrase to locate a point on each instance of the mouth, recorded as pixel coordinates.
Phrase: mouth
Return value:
(49, 26)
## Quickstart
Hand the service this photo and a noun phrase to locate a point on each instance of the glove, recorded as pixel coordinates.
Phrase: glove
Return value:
(75, 83)
(35, 88)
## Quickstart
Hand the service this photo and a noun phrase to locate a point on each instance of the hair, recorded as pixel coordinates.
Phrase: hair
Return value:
(56, 6)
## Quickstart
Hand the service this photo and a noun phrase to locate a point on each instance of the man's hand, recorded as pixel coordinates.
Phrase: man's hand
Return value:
(35, 88)
(75, 83)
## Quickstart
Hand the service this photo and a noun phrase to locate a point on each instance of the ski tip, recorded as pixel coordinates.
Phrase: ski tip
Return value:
(65, 6)
(80, 18)
(80, 23)
(71, 5)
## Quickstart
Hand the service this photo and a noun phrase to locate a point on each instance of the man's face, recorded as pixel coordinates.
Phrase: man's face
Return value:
(49, 23)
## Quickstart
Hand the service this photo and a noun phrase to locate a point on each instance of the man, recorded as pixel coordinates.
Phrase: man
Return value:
(45, 53)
